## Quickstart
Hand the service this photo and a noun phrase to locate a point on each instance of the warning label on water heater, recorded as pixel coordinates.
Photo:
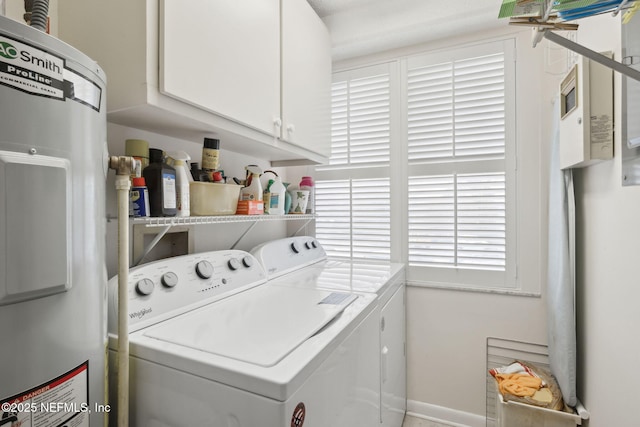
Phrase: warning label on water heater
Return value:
(61, 401)
(31, 70)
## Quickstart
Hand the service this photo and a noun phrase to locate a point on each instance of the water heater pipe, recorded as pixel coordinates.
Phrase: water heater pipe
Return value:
(123, 166)
(39, 14)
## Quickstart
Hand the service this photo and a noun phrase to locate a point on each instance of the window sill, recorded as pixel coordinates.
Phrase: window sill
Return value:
(466, 288)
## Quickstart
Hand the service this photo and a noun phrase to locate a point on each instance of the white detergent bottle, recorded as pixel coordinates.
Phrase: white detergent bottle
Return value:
(253, 191)
(276, 202)
(180, 161)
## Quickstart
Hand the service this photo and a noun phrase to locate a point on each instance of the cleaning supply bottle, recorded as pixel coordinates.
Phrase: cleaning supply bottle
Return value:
(287, 197)
(266, 198)
(161, 182)
(277, 199)
(210, 156)
(307, 184)
(253, 189)
(139, 195)
(180, 161)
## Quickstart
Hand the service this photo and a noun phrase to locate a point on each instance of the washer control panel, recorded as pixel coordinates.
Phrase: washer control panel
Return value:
(162, 289)
(282, 256)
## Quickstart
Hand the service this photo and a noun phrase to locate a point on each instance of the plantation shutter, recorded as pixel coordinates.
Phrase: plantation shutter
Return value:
(353, 191)
(458, 167)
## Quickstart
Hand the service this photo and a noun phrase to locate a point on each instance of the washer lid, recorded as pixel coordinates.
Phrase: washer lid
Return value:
(343, 276)
(260, 327)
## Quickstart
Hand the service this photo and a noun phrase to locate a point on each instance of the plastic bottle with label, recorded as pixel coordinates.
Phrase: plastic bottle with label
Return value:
(307, 184)
(277, 199)
(266, 196)
(161, 182)
(253, 190)
(210, 156)
(180, 160)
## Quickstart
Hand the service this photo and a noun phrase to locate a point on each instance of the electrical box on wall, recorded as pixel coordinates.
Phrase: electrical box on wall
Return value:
(586, 114)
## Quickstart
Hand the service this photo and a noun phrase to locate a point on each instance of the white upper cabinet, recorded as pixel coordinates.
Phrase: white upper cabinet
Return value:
(254, 73)
(306, 78)
(223, 56)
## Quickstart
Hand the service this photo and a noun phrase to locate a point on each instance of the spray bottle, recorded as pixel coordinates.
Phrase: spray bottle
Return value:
(253, 189)
(180, 161)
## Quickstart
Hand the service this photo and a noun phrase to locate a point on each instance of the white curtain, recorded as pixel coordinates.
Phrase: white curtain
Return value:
(561, 324)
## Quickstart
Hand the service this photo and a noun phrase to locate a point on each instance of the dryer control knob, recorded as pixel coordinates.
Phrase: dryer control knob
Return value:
(233, 264)
(144, 287)
(310, 244)
(295, 247)
(247, 261)
(204, 269)
(169, 279)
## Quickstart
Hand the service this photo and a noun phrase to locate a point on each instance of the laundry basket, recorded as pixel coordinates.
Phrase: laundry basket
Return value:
(501, 413)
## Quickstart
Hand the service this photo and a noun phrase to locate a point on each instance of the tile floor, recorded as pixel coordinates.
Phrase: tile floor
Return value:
(410, 421)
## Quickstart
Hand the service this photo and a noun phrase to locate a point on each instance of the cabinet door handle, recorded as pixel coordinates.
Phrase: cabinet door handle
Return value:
(291, 128)
(277, 122)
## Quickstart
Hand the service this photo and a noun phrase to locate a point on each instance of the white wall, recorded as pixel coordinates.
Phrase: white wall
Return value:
(607, 271)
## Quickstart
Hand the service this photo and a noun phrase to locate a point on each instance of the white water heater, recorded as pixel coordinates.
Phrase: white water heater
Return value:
(53, 165)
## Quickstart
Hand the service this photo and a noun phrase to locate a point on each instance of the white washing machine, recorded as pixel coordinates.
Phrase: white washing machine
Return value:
(213, 344)
(302, 262)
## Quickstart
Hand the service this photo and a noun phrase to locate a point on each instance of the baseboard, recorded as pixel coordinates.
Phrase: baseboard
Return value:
(444, 415)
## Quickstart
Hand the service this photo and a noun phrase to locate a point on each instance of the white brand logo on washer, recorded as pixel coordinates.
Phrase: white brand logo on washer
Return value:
(140, 313)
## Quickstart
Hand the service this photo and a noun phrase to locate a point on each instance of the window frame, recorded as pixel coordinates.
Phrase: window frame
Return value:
(358, 171)
(527, 206)
(466, 278)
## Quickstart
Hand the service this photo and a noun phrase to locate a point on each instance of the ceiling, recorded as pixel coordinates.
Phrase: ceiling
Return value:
(360, 27)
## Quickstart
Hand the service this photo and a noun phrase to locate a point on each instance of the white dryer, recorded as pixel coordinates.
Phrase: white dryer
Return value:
(213, 344)
(302, 262)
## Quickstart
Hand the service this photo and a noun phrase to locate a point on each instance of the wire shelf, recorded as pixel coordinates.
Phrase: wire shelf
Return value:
(204, 220)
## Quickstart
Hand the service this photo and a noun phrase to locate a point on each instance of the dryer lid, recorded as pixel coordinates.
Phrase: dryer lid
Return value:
(261, 326)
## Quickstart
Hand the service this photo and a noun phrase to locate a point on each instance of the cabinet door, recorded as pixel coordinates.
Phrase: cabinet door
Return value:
(393, 360)
(306, 78)
(223, 56)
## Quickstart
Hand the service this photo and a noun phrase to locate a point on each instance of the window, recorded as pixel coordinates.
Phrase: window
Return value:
(353, 192)
(460, 170)
(443, 123)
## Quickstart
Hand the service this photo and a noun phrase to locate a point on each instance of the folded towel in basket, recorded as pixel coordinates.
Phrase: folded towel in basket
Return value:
(518, 384)
(534, 385)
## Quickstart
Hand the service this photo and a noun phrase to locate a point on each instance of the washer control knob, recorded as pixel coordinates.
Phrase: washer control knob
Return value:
(295, 247)
(247, 261)
(144, 287)
(309, 244)
(314, 244)
(204, 269)
(169, 279)
(233, 264)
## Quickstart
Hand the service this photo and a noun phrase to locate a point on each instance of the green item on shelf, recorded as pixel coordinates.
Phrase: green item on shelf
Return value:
(510, 8)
